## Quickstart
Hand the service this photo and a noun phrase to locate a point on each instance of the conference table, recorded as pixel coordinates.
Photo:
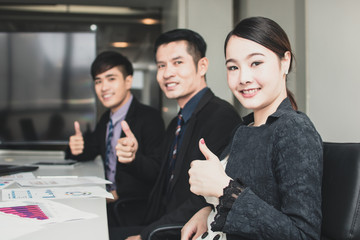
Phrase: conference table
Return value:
(95, 228)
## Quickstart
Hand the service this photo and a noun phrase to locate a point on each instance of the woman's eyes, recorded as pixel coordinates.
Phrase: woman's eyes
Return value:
(252, 64)
(256, 63)
(232, 68)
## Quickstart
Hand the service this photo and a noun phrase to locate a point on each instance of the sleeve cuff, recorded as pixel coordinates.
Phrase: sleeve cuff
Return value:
(231, 193)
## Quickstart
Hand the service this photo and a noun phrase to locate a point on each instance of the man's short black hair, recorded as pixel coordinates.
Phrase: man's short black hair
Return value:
(196, 44)
(109, 59)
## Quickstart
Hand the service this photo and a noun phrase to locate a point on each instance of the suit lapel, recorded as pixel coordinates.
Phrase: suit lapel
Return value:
(130, 115)
(102, 132)
(187, 139)
(184, 149)
(157, 193)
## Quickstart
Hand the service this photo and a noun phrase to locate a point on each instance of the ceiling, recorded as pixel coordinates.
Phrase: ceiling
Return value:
(124, 3)
(114, 24)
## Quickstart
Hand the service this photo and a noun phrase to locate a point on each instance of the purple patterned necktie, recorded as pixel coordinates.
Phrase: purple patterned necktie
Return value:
(108, 144)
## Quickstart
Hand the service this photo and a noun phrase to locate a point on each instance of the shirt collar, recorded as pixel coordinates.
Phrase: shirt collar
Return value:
(190, 106)
(284, 107)
(121, 113)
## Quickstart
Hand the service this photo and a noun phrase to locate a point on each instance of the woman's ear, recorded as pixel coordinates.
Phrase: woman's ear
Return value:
(203, 65)
(285, 62)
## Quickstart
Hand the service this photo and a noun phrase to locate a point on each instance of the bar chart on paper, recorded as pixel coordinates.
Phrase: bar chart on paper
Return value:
(28, 211)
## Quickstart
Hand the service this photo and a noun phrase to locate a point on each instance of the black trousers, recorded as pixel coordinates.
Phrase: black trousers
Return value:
(121, 233)
(124, 214)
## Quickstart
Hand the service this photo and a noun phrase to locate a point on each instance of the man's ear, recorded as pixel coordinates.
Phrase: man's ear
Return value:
(203, 65)
(128, 81)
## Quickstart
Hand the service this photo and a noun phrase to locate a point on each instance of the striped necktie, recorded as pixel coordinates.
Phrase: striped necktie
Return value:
(108, 144)
(180, 122)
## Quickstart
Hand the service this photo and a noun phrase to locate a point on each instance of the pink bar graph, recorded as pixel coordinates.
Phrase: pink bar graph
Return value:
(29, 211)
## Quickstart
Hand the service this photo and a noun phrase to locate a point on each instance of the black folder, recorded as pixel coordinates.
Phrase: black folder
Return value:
(6, 169)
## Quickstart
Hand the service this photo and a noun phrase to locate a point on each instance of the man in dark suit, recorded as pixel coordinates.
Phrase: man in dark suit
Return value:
(112, 74)
(182, 65)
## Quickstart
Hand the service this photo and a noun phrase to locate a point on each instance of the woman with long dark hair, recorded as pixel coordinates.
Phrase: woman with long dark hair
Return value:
(268, 184)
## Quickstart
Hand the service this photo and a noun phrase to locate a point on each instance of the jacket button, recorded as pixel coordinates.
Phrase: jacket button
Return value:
(217, 237)
(204, 235)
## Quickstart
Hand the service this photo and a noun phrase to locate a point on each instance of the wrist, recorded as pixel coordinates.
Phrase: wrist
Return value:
(222, 185)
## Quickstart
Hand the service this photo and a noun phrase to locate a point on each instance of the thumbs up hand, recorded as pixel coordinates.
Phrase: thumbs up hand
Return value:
(207, 177)
(76, 142)
(126, 147)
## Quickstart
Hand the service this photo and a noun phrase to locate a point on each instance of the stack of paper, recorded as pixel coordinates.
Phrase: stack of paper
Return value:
(23, 217)
(54, 181)
(54, 193)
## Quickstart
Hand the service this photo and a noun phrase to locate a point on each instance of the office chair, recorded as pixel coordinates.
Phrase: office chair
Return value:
(341, 191)
(166, 232)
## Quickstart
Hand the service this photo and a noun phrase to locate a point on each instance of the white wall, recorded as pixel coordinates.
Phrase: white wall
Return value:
(333, 62)
(325, 36)
(289, 14)
(212, 19)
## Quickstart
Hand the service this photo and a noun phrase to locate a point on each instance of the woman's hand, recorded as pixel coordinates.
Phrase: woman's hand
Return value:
(197, 225)
(207, 177)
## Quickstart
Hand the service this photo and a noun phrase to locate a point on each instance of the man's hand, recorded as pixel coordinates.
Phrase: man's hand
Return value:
(126, 147)
(76, 142)
(207, 177)
(116, 197)
(197, 225)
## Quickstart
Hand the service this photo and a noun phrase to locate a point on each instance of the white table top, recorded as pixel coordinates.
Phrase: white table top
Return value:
(95, 228)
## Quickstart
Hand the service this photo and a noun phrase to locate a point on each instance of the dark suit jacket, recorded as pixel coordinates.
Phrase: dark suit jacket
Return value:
(137, 178)
(214, 120)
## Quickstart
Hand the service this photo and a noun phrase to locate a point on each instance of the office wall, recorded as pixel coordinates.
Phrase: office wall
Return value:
(324, 36)
(289, 14)
(333, 50)
(213, 19)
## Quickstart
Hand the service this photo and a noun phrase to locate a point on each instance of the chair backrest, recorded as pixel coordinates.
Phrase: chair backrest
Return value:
(341, 191)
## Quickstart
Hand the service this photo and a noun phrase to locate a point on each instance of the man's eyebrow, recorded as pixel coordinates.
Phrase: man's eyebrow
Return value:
(106, 76)
(176, 58)
(172, 59)
(110, 75)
